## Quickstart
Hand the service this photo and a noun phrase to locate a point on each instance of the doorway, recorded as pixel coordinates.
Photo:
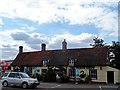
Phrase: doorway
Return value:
(110, 77)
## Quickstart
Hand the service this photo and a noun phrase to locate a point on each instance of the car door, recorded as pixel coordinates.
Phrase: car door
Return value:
(11, 77)
(17, 80)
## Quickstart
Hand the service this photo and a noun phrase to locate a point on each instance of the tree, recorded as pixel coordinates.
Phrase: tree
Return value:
(97, 42)
(115, 58)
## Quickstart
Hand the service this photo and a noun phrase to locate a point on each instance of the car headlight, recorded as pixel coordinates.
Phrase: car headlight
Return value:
(35, 81)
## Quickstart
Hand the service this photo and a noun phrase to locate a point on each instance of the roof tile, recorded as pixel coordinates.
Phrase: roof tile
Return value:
(84, 56)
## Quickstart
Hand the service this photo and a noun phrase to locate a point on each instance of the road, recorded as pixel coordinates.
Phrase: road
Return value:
(70, 86)
(0, 86)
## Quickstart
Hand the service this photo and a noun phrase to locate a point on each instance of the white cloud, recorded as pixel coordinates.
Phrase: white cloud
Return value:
(1, 22)
(74, 41)
(53, 42)
(108, 21)
(93, 12)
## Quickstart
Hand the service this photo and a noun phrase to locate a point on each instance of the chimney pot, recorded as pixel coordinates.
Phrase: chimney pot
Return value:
(20, 49)
(64, 45)
(43, 47)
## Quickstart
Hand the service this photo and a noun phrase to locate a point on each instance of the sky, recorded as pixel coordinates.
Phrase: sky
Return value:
(29, 23)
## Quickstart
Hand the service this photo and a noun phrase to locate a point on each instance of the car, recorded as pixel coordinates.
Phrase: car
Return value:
(118, 87)
(19, 79)
(0, 86)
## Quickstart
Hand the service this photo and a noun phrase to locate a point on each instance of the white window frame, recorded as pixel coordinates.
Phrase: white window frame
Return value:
(72, 73)
(93, 74)
(71, 61)
(45, 62)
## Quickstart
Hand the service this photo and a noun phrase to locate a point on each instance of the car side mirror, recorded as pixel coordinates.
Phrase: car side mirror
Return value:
(19, 77)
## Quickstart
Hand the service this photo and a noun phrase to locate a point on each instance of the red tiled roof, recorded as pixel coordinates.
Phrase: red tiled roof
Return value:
(84, 56)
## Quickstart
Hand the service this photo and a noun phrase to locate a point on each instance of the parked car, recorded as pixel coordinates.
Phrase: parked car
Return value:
(118, 87)
(19, 79)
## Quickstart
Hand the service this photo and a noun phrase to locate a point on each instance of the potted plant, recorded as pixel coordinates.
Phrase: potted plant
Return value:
(88, 79)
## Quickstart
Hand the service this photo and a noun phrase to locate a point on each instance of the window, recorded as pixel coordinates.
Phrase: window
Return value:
(71, 61)
(23, 75)
(45, 62)
(44, 71)
(93, 73)
(17, 75)
(72, 73)
(12, 75)
(29, 69)
(36, 70)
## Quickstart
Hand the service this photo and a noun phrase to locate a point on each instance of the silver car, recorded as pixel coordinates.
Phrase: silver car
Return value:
(118, 87)
(19, 79)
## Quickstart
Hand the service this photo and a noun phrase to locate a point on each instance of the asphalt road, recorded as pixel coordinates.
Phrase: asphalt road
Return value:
(0, 86)
(70, 86)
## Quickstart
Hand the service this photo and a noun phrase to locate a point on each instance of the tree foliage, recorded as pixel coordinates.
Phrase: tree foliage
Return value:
(97, 42)
(114, 51)
(115, 48)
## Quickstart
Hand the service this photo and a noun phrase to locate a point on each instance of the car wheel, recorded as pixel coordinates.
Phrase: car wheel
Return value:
(5, 83)
(24, 85)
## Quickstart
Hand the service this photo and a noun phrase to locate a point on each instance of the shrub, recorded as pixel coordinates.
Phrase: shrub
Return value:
(48, 77)
(33, 76)
(88, 79)
(45, 78)
(65, 78)
(51, 76)
(39, 77)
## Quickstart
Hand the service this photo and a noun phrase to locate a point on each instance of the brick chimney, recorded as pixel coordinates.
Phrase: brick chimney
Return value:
(43, 46)
(20, 49)
(64, 45)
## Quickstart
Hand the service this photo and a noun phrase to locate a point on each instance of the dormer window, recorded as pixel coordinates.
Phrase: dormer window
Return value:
(45, 62)
(71, 62)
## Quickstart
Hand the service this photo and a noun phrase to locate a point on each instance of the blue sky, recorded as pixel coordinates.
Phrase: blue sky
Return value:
(32, 22)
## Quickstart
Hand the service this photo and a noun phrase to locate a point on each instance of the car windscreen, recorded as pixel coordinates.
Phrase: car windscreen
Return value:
(23, 75)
